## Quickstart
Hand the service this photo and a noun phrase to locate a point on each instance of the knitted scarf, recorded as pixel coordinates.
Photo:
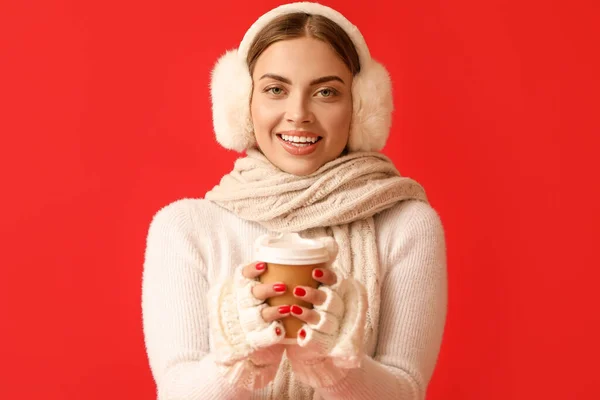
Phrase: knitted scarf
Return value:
(339, 200)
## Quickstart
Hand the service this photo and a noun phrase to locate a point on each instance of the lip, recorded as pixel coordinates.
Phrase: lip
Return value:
(294, 150)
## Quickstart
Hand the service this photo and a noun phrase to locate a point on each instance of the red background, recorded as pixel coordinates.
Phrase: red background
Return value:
(105, 118)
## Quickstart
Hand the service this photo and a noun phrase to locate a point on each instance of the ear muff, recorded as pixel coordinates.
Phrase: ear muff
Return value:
(372, 108)
(231, 88)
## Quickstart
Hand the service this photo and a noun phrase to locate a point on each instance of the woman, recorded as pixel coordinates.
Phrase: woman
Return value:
(303, 97)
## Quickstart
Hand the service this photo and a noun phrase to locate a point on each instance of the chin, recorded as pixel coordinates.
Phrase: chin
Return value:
(298, 168)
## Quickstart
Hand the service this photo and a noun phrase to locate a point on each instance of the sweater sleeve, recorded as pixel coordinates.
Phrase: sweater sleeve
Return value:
(175, 313)
(412, 317)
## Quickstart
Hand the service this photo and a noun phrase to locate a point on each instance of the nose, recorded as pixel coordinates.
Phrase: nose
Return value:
(298, 110)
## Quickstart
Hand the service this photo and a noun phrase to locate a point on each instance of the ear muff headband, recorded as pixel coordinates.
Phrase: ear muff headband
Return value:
(231, 87)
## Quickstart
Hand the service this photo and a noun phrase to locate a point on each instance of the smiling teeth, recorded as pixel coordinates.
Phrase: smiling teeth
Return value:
(299, 139)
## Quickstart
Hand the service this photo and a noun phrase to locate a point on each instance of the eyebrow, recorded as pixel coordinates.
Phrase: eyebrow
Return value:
(317, 81)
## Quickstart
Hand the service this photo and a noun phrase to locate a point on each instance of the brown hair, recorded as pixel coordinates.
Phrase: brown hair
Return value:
(297, 25)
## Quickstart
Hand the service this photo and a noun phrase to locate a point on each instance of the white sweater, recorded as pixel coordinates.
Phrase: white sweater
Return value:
(193, 244)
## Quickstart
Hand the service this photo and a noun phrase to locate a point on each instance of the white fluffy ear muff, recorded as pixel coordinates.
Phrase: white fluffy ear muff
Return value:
(372, 106)
(231, 88)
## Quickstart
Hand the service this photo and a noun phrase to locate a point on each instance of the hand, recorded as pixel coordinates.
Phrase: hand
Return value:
(247, 332)
(330, 342)
(314, 296)
(264, 291)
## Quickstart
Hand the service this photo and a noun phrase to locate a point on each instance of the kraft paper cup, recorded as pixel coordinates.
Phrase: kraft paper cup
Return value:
(291, 259)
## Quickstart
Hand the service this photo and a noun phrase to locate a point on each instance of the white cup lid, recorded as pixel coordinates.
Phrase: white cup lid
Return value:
(290, 248)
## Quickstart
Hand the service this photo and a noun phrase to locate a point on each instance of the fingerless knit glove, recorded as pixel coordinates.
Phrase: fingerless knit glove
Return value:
(247, 348)
(334, 345)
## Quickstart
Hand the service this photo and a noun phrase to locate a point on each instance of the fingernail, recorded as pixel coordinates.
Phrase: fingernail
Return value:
(296, 310)
(302, 333)
(318, 273)
(277, 331)
(284, 310)
(279, 287)
(300, 292)
(261, 266)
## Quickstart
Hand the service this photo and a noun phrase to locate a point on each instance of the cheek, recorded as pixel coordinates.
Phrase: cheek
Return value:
(263, 114)
(338, 120)
(254, 110)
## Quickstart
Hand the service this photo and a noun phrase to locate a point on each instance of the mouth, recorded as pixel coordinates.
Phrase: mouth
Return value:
(299, 145)
(299, 141)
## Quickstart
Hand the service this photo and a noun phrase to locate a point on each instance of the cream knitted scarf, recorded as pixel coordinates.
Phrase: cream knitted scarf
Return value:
(339, 200)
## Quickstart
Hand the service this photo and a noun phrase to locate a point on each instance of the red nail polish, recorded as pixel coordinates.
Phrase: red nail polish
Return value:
(299, 292)
(296, 310)
(302, 333)
(277, 331)
(261, 266)
(318, 273)
(279, 287)
(284, 310)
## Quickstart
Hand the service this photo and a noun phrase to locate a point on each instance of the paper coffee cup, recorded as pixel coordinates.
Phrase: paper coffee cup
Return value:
(291, 259)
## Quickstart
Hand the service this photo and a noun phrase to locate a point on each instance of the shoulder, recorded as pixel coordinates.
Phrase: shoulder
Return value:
(190, 214)
(200, 229)
(201, 219)
(193, 226)
(179, 212)
(408, 225)
(414, 214)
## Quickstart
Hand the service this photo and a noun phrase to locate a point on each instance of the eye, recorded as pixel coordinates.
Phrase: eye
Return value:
(328, 92)
(275, 90)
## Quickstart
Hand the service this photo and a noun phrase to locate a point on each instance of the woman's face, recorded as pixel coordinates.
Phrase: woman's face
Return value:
(301, 104)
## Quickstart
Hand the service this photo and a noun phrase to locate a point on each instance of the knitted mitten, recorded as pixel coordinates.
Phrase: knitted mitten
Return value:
(335, 345)
(246, 347)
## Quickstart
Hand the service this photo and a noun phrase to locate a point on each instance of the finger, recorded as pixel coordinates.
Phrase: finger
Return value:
(305, 314)
(253, 270)
(313, 296)
(266, 337)
(325, 276)
(271, 314)
(333, 304)
(265, 290)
